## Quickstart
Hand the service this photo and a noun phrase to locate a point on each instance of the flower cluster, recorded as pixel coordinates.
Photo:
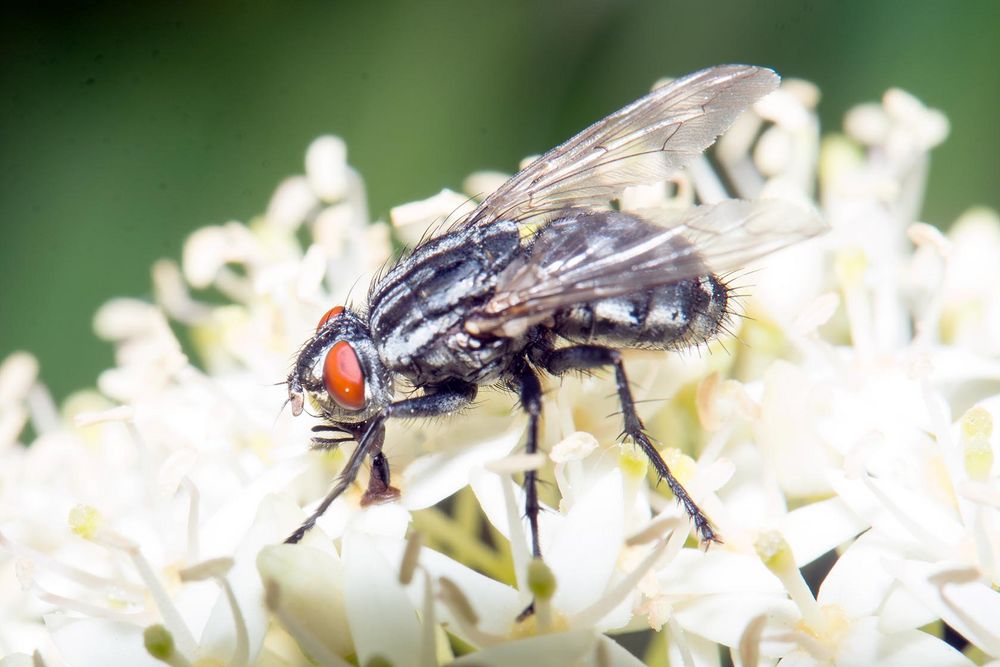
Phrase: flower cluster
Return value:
(847, 419)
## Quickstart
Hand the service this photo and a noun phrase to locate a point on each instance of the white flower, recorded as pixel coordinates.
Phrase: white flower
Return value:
(142, 522)
(845, 624)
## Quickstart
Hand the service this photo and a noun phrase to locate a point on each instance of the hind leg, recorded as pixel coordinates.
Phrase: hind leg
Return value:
(585, 357)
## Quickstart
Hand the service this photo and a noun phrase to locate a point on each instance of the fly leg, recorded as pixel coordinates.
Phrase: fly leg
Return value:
(440, 400)
(370, 442)
(379, 490)
(522, 379)
(585, 357)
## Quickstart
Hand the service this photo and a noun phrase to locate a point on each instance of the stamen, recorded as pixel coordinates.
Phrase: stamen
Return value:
(977, 429)
(43, 409)
(44, 561)
(776, 554)
(806, 640)
(655, 529)
(904, 517)
(217, 569)
(234, 286)
(601, 656)
(982, 494)
(121, 413)
(292, 202)
(542, 584)
(452, 596)
(749, 646)
(719, 403)
(87, 522)
(18, 373)
(706, 183)
(171, 293)
(193, 534)
(977, 457)
(13, 419)
(677, 632)
(617, 593)
(675, 542)
(574, 447)
(326, 167)
(428, 640)
(171, 616)
(518, 539)
(241, 654)
(982, 624)
(850, 266)
(816, 314)
(517, 463)
(411, 557)
(464, 544)
(25, 572)
(733, 152)
(312, 646)
(160, 644)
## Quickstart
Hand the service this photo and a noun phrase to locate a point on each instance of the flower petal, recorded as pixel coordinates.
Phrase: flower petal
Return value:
(695, 573)
(383, 620)
(489, 491)
(867, 645)
(496, 604)
(93, 642)
(430, 479)
(970, 607)
(723, 618)
(584, 546)
(610, 653)
(857, 582)
(703, 652)
(311, 594)
(818, 527)
(270, 525)
(17, 660)
(564, 648)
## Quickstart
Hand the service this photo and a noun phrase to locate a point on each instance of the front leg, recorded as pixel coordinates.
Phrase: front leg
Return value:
(440, 400)
(585, 357)
(369, 443)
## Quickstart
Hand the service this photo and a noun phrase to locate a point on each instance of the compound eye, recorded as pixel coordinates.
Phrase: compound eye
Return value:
(342, 375)
(330, 314)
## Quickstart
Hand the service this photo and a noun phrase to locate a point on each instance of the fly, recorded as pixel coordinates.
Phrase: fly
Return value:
(492, 301)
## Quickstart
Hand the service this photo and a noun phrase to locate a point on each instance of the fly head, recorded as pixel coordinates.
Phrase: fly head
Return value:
(340, 372)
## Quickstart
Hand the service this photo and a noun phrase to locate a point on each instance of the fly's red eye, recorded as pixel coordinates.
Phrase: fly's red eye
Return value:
(330, 314)
(342, 375)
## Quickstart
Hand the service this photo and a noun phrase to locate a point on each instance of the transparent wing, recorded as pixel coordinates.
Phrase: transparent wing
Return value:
(645, 142)
(590, 255)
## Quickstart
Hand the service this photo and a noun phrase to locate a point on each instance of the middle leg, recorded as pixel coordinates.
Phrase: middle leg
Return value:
(522, 379)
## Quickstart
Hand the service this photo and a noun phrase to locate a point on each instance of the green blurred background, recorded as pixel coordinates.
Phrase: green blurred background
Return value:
(126, 125)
